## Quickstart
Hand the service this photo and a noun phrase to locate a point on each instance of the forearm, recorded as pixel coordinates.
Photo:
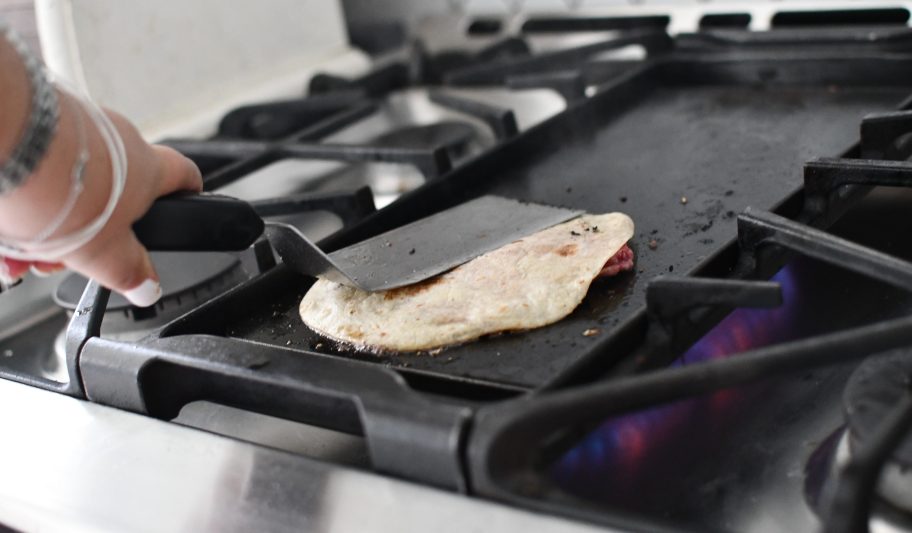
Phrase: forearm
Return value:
(14, 97)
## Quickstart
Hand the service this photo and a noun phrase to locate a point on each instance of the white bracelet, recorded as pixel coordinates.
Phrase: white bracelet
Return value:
(77, 179)
(53, 250)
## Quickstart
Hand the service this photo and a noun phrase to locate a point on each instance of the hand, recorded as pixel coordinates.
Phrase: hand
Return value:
(114, 258)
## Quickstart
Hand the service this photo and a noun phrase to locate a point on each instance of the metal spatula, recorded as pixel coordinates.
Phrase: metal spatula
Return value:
(403, 256)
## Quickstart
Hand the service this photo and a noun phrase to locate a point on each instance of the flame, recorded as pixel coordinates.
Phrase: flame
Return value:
(623, 448)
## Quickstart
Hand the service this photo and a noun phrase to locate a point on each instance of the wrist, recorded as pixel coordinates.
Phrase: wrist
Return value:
(28, 209)
(14, 87)
(35, 134)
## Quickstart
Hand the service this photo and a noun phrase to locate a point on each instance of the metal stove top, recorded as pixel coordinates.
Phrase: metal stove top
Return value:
(740, 158)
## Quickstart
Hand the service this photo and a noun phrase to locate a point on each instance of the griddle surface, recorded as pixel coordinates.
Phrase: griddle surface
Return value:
(723, 148)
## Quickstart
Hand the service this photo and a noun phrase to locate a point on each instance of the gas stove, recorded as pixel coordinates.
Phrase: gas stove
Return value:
(751, 374)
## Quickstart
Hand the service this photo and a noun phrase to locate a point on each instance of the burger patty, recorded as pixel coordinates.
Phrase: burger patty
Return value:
(619, 262)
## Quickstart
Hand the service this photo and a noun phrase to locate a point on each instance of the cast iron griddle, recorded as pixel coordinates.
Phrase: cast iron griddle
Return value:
(682, 160)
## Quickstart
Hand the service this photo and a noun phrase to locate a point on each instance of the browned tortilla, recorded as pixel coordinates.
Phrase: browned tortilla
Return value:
(526, 284)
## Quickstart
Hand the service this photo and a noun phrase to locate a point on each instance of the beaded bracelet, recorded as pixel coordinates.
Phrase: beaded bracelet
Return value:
(40, 125)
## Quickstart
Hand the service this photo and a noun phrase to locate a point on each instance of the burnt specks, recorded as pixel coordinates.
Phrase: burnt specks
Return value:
(586, 227)
(412, 251)
(575, 233)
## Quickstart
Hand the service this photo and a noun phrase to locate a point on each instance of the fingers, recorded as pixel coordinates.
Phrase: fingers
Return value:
(123, 265)
(178, 172)
(12, 270)
(114, 257)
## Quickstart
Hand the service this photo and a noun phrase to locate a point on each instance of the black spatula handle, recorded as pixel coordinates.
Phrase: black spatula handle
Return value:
(199, 223)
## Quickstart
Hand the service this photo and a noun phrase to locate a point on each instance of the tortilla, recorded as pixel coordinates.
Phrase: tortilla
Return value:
(526, 284)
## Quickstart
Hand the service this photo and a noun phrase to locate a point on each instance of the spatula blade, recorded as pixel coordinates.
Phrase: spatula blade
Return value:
(433, 245)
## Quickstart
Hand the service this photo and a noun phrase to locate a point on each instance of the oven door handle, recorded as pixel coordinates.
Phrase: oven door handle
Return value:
(187, 222)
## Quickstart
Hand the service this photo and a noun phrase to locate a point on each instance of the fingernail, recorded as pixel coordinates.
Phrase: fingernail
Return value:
(5, 277)
(43, 270)
(145, 294)
(39, 273)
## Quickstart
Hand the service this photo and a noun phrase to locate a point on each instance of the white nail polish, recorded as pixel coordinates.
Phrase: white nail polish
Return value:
(145, 294)
(39, 273)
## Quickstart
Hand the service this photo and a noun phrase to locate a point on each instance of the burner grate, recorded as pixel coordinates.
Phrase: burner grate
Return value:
(500, 72)
(506, 466)
(249, 156)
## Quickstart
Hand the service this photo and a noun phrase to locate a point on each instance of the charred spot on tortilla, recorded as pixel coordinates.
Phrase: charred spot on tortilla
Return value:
(412, 289)
(526, 284)
(566, 250)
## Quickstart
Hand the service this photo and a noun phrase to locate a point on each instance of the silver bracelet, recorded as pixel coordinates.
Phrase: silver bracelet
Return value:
(42, 121)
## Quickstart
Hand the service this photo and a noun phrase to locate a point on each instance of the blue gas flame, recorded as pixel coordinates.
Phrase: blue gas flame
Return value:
(621, 446)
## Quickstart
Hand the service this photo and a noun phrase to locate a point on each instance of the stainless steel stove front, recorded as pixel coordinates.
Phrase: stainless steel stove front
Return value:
(69, 465)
